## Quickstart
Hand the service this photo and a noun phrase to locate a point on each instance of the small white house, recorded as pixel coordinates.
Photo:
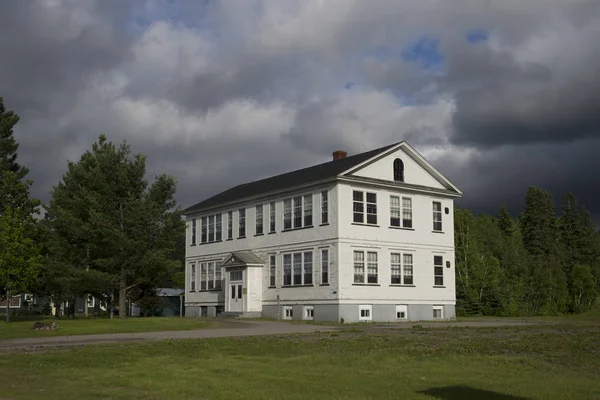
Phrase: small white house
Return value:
(367, 237)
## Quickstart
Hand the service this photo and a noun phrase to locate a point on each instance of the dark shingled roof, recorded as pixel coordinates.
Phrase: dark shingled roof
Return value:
(303, 176)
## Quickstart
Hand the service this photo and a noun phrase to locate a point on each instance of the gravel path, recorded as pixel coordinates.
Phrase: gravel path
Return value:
(232, 328)
(225, 328)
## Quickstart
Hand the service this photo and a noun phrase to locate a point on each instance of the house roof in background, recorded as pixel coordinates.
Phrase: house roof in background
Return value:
(299, 177)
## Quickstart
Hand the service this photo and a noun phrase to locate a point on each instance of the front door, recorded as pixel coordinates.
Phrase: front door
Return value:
(236, 302)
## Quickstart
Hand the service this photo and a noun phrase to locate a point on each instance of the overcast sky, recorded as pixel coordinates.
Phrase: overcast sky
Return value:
(499, 95)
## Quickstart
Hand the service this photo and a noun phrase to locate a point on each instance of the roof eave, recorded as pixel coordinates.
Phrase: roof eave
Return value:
(189, 211)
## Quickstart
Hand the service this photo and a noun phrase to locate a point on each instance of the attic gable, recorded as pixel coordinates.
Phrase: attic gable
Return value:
(402, 160)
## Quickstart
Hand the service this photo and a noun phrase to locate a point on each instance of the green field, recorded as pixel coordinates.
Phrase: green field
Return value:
(82, 326)
(550, 361)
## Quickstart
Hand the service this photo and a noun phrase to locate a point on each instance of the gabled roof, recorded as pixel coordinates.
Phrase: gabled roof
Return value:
(243, 257)
(299, 177)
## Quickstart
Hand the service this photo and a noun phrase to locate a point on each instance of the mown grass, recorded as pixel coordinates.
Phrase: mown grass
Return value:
(531, 362)
(82, 326)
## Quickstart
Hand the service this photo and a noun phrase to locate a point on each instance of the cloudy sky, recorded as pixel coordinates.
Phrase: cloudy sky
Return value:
(499, 95)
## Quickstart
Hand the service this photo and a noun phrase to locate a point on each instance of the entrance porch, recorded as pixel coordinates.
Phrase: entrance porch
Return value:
(243, 284)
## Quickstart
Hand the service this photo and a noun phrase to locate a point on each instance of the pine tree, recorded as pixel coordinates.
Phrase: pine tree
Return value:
(538, 223)
(106, 220)
(8, 144)
(19, 252)
(505, 222)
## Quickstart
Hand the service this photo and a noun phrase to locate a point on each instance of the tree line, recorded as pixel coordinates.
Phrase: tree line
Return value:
(106, 231)
(540, 263)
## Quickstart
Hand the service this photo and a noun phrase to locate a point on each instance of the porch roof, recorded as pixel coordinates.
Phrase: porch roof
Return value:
(243, 257)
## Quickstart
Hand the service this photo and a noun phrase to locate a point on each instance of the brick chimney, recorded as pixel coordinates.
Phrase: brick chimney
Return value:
(339, 154)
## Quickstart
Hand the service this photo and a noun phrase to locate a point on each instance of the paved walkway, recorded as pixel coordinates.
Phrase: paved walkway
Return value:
(233, 328)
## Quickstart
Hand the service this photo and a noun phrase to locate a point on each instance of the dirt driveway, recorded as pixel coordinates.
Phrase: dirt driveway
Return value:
(232, 328)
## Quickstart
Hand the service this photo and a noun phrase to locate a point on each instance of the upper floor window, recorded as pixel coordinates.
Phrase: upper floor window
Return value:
(398, 170)
(211, 229)
(287, 214)
(359, 207)
(401, 212)
(194, 231)
(272, 217)
(297, 212)
(230, 225)
(437, 216)
(259, 219)
(218, 227)
(204, 230)
(242, 222)
(324, 208)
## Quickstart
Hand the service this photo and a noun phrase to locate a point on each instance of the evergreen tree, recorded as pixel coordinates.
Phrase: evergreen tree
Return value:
(105, 220)
(538, 223)
(8, 144)
(505, 222)
(19, 253)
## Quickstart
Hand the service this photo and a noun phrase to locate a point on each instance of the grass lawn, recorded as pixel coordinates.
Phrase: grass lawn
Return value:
(528, 362)
(82, 326)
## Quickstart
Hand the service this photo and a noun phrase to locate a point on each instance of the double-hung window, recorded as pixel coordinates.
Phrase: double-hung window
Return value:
(204, 230)
(259, 219)
(324, 207)
(287, 269)
(359, 267)
(287, 214)
(218, 227)
(193, 277)
(298, 212)
(242, 222)
(438, 270)
(272, 270)
(308, 210)
(402, 269)
(324, 266)
(210, 276)
(401, 212)
(211, 228)
(437, 216)
(272, 217)
(298, 269)
(194, 231)
(360, 206)
(230, 225)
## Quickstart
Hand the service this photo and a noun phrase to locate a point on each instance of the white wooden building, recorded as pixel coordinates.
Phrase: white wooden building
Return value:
(367, 237)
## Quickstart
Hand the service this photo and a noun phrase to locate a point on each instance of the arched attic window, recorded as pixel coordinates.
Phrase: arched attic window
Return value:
(398, 170)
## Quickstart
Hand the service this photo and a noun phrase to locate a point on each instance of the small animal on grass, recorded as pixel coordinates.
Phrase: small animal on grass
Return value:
(45, 326)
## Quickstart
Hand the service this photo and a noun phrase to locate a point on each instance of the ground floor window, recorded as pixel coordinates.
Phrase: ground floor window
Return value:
(365, 313)
(220, 310)
(210, 276)
(298, 269)
(288, 312)
(401, 312)
(309, 312)
(203, 311)
(438, 312)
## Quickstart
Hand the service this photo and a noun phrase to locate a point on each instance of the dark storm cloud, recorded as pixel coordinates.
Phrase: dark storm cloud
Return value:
(502, 102)
(221, 93)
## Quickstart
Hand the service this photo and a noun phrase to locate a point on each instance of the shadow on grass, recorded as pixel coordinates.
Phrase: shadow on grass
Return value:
(465, 392)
